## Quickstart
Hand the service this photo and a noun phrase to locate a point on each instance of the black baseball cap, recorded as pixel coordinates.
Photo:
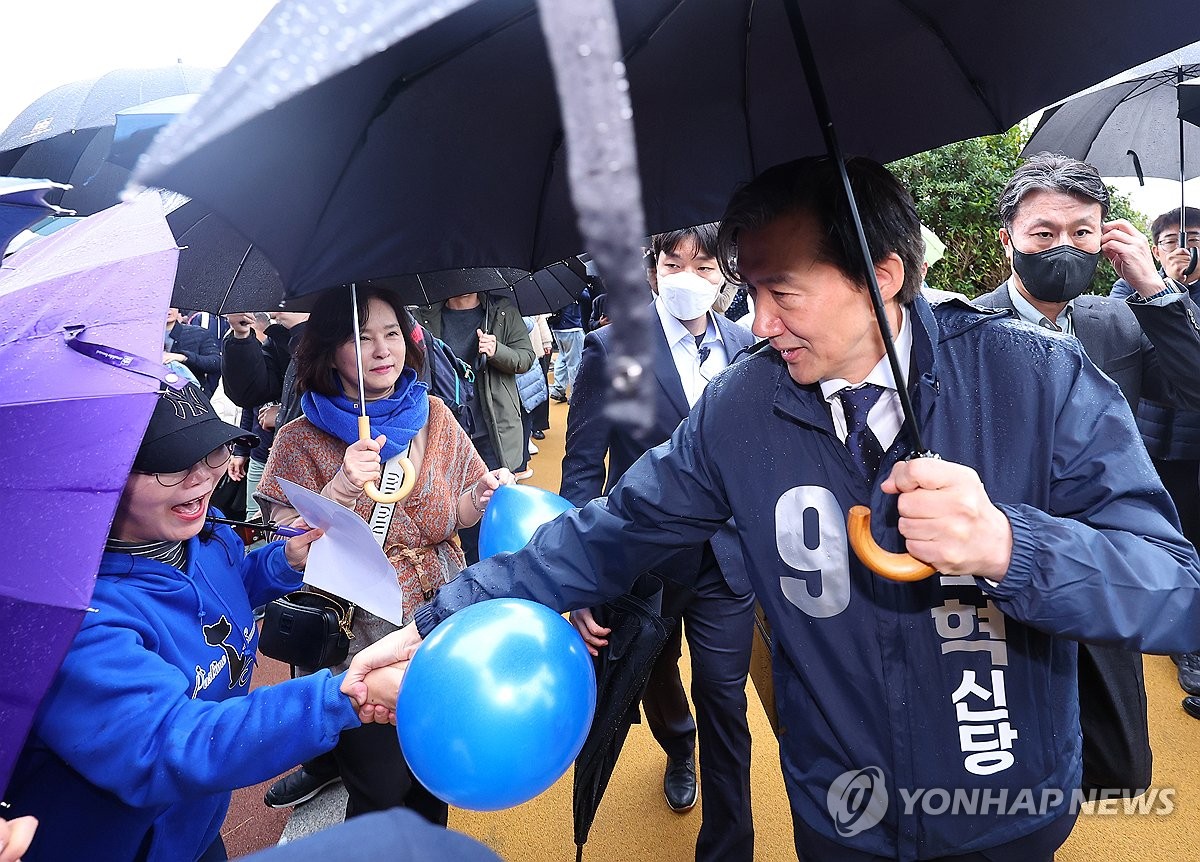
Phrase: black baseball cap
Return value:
(183, 429)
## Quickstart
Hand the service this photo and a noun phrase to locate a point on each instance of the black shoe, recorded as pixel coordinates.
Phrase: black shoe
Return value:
(679, 784)
(296, 787)
(1191, 705)
(539, 435)
(1189, 672)
(561, 399)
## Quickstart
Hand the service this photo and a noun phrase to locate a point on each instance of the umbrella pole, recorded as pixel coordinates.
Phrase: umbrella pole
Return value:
(1182, 190)
(901, 567)
(364, 422)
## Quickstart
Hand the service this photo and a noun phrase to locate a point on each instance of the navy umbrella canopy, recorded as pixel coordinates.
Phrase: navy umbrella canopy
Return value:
(66, 135)
(443, 120)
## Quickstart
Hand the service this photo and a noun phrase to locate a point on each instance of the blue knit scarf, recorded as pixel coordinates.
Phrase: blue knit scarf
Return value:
(399, 416)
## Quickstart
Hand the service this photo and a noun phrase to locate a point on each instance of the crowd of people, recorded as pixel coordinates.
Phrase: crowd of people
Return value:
(1061, 520)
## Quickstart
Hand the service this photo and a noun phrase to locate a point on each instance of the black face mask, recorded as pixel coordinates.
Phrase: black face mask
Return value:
(1057, 274)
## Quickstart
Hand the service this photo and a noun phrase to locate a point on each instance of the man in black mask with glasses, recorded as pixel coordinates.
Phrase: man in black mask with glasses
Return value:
(1054, 212)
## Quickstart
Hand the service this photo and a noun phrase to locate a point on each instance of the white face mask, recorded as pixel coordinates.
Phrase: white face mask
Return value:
(687, 295)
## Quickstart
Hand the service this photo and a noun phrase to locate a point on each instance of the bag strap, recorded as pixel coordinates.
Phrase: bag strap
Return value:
(382, 513)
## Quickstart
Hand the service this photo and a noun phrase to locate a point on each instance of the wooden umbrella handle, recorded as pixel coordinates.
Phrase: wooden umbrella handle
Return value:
(406, 467)
(894, 567)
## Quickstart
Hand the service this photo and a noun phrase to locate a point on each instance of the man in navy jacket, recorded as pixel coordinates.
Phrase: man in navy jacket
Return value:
(691, 344)
(1044, 520)
(194, 348)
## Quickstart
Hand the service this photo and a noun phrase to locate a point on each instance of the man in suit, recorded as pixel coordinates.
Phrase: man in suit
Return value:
(1053, 212)
(1172, 434)
(691, 345)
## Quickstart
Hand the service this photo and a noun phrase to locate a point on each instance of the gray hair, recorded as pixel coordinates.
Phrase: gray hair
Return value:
(1052, 172)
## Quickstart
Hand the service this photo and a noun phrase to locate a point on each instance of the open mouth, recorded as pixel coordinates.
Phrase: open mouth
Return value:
(191, 510)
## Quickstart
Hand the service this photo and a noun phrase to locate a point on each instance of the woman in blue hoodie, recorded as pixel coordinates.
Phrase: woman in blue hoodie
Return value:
(150, 723)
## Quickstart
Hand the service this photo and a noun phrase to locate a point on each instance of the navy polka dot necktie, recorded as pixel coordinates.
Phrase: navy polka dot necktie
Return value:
(860, 439)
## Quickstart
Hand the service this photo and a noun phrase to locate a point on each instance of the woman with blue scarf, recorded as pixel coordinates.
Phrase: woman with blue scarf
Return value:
(321, 451)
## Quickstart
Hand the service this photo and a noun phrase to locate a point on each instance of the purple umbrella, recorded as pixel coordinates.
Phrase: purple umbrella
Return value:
(72, 307)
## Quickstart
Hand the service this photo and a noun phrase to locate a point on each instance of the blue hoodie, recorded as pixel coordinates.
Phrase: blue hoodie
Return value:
(150, 723)
(950, 683)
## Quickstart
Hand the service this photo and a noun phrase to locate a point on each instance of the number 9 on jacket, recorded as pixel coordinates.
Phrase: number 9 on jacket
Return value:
(496, 704)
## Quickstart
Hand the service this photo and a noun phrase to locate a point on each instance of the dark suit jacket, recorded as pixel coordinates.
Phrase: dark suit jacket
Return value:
(591, 435)
(203, 355)
(1139, 346)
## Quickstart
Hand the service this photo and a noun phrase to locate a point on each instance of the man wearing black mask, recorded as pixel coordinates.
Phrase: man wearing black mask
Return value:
(1054, 231)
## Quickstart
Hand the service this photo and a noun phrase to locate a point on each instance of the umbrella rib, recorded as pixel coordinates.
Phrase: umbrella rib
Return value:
(1165, 78)
(399, 84)
(931, 25)
(749, 18)
(395, 88)
(233, 279)
(544, 195)
(642, 39)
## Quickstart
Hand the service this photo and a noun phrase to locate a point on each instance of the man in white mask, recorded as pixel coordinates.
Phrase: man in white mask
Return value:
(691, 346)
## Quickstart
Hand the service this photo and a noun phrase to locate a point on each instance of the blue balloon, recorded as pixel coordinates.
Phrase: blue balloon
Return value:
(513, 516)
(496, 704)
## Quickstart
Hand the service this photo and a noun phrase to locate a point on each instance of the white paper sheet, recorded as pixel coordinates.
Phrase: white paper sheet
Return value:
(347, 561)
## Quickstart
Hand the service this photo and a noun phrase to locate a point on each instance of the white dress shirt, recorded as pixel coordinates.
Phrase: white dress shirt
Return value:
(887, 416)
(694, 374)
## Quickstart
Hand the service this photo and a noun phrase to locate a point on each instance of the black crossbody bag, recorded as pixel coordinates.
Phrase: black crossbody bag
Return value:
(309, 630)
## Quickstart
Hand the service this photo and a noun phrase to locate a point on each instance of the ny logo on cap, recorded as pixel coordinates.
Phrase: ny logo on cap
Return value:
(186, 401)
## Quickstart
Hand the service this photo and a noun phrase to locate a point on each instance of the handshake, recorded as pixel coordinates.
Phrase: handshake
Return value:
(376, 673)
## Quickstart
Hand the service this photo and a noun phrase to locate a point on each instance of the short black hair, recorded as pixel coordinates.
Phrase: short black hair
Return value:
(813, 186)
(703, 235)
(1171, 220)
(1056, 173)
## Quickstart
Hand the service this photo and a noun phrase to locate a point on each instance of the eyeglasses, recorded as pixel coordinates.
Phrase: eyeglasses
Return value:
(214, 460)
(1171, 240)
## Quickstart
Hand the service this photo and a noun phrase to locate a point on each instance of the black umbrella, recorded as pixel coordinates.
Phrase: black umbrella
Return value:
(1133, 128)
(550, 288)
(443, 123)
(219, 270)
(66, 134)
(622, 670)
(135, 127)
(1128, 129)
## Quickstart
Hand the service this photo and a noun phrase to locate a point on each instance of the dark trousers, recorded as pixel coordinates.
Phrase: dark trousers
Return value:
(1039, 846)
(377, 776)
(541, 413)
(527, 427)
(719, 627)
(1179, 478)
(469, 536)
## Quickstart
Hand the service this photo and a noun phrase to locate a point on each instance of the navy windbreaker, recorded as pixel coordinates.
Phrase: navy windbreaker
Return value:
(949, 683)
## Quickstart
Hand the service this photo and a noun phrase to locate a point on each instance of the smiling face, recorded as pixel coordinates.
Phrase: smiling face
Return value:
(148, 512)
(819, 320)
(382, 354)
